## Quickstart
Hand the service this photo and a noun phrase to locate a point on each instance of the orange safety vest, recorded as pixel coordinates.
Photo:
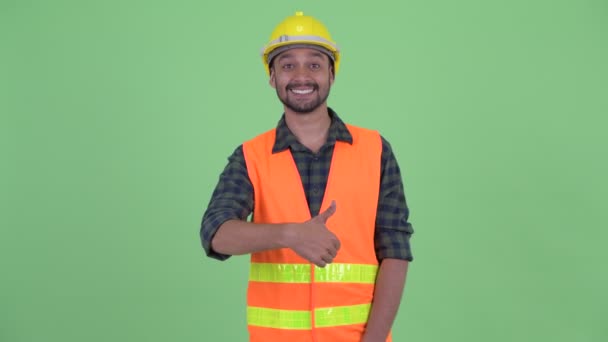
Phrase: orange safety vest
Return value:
(288, 298)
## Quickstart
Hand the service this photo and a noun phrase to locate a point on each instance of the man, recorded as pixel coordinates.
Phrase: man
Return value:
(329, 237)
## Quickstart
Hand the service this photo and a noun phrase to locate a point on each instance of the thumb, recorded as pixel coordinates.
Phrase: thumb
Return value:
(324, 216)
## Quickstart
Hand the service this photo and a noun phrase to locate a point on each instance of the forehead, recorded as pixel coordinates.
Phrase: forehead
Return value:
(301, 53)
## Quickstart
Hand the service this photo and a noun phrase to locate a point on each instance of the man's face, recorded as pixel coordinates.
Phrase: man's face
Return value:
(302, 78)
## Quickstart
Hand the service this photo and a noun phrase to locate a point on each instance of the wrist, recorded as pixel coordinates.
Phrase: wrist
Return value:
(368, 338)
(287, 235)
(372, 338)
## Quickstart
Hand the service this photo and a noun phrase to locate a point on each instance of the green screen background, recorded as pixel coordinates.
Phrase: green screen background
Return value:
(118, 116)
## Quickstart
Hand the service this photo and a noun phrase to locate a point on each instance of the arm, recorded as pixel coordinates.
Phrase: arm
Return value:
(312, 240)
(392, 245)
(387, 297)
(232, 199)
(224, 231)
(235, 237)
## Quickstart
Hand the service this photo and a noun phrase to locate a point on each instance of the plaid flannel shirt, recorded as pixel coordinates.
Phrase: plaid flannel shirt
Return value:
(233, 195)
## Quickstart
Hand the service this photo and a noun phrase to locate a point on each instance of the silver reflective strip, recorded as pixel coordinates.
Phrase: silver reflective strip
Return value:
(298, 39)
(286, 38)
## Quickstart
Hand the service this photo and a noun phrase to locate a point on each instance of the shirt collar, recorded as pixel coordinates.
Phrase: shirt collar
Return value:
(286, 139)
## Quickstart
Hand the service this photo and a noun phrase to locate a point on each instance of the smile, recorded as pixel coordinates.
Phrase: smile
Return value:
(302, 91)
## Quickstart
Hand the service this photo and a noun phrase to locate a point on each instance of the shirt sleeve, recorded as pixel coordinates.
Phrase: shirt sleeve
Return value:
(393, 230)
(231, 199)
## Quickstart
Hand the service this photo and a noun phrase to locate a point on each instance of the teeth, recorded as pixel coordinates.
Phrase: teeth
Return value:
(302, 91)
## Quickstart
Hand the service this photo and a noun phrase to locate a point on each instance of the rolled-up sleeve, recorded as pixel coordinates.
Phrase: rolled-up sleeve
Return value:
(393, 230)
(231, 199)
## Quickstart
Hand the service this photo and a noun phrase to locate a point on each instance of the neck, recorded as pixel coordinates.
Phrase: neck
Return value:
(311, 129)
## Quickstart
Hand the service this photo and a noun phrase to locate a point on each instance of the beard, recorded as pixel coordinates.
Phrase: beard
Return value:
(298, 105)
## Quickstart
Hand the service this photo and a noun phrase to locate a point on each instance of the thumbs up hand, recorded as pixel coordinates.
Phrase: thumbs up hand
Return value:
(312, 240)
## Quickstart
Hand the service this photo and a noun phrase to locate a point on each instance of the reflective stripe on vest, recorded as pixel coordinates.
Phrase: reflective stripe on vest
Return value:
(300, 273)
(300, 319)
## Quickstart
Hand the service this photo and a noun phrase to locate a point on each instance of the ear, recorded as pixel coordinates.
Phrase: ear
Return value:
(332, 75)
(272, 79)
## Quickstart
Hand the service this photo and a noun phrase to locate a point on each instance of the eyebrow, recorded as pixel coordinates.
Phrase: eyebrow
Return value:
(286, 55)
(318, 54)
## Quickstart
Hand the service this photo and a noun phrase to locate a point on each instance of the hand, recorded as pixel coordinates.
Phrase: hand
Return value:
(313, 241)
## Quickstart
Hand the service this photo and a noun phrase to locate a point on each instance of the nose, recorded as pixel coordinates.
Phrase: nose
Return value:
(302, 72)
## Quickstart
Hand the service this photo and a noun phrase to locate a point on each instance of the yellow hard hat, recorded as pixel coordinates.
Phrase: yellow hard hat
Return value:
(300, 30)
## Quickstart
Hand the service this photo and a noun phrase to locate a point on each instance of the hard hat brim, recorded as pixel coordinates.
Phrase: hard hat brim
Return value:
(272, 54)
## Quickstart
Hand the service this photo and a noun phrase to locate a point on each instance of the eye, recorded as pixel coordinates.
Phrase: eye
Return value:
(315, 66)
(287, 66)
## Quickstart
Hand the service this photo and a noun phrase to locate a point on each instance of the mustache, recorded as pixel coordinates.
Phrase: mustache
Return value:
(292, 85)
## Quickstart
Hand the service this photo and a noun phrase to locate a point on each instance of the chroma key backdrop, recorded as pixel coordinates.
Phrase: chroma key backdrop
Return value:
(116, 119)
